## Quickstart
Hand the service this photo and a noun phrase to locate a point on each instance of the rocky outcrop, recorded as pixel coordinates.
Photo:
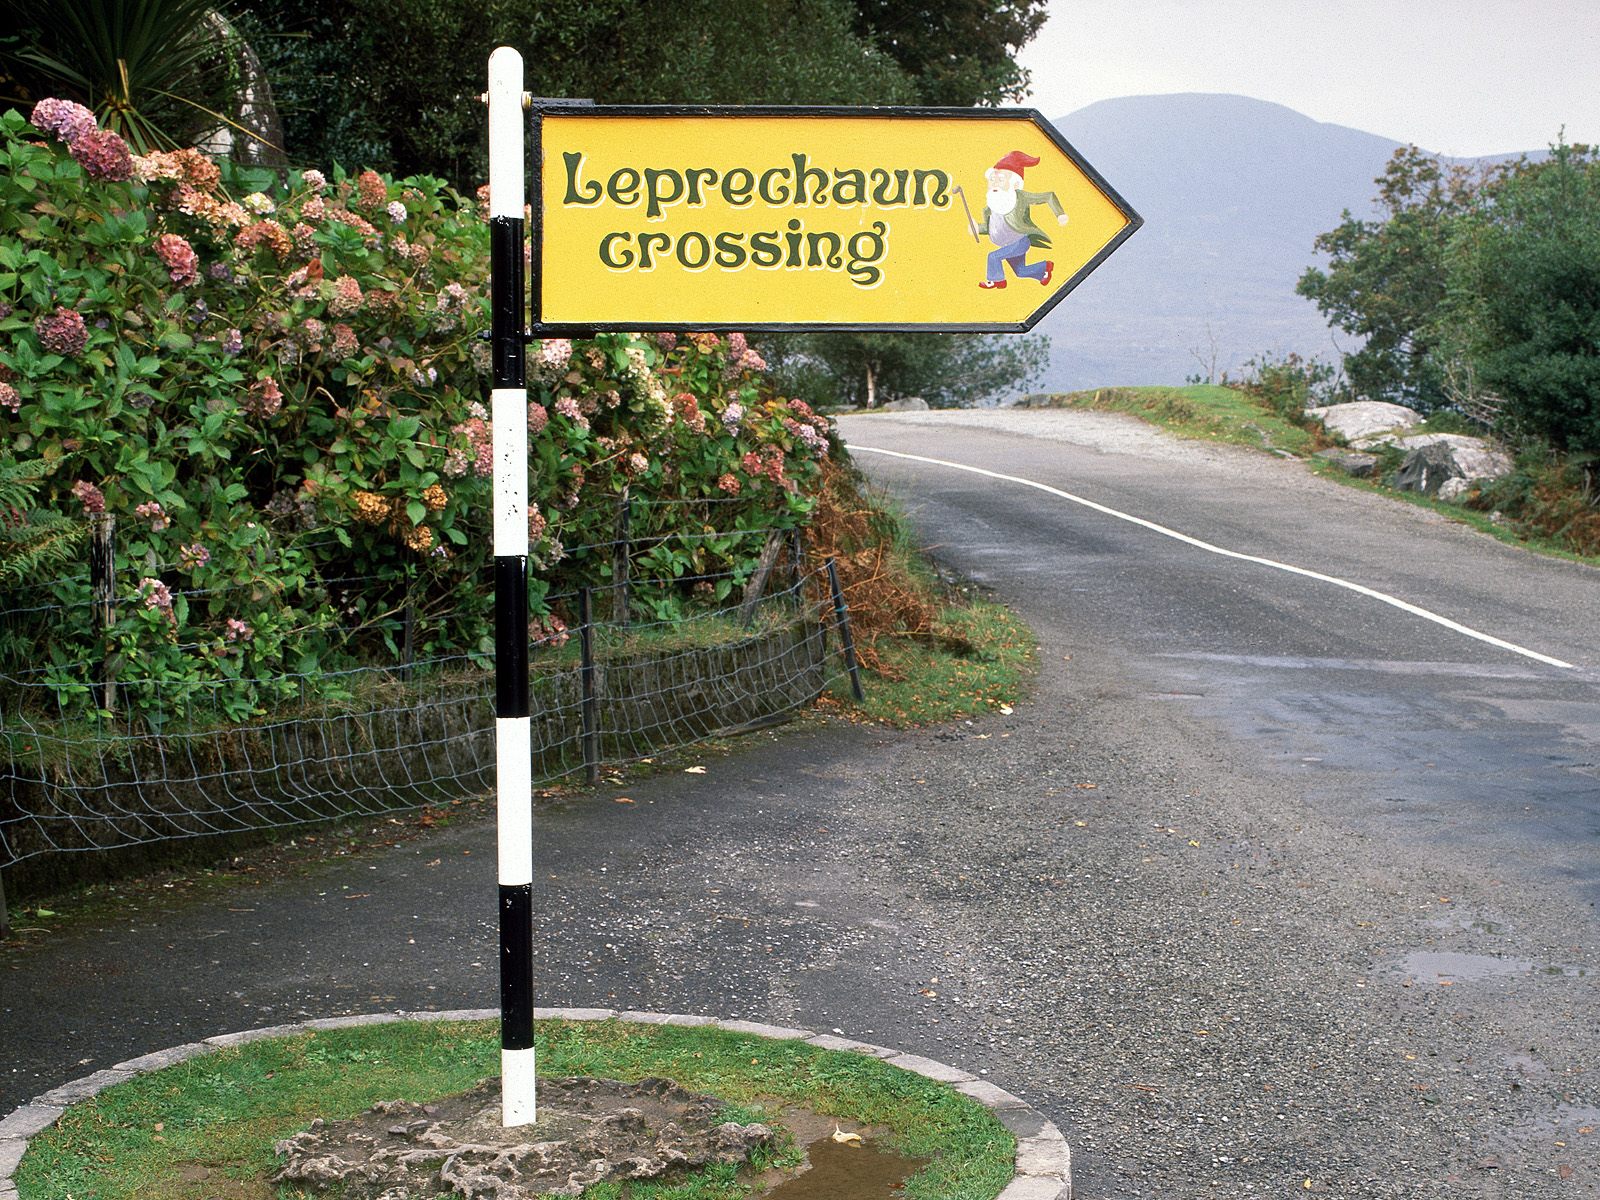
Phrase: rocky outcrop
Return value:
(1364, 419)
(588, 1131)
(1446, 465)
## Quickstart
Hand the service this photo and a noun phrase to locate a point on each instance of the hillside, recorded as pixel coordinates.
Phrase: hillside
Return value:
(1233, 192)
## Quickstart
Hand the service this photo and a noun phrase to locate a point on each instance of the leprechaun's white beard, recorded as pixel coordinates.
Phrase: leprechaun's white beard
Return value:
(1002, 201)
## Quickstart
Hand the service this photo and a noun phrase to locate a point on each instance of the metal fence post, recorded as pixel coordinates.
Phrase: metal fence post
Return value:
(103, 584)
(841, 613)
(591, 702)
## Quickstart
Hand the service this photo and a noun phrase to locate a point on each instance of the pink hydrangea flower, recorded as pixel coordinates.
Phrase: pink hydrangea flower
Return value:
(638, 464)
(733, 417)
(152, 511)
(264, 399)
(66, 119)
(193, 556)
(345, 344)
(157, 595)
(239, 631)
(91, 497)
(315, 180)
(347, 297)
(751, 361)
(554, 353)
(729, 483)
(103, 155)
(538, 418)
(62, 332)
(10, 397)
(397, 212)
(737, 345)
(182, 263)
(371, 191)
(568, 407)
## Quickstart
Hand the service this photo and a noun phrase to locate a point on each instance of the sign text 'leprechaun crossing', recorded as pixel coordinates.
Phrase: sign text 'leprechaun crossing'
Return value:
(807, 218)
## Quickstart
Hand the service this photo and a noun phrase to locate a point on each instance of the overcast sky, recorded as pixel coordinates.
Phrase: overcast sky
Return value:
(1458, 77)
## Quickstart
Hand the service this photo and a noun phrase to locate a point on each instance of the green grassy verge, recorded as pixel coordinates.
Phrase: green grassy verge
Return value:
(982, 659)
(205, 1128)
(932, 650)
(1222, 414)
(1203, 411)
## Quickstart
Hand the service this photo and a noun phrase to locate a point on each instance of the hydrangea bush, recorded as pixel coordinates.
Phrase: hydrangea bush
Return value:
(277, 391)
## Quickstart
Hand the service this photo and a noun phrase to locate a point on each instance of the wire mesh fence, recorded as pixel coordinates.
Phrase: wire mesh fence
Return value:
(621, 677)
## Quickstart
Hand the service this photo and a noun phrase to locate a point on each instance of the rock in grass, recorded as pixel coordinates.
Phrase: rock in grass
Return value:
(588, 1131)
(1446, 465)
(1364, 419)
(1351, 462)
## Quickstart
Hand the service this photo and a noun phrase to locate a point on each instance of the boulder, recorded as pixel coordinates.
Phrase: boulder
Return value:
(909, 404)
(1445, 465)
(1364, 418)
(1351, 462)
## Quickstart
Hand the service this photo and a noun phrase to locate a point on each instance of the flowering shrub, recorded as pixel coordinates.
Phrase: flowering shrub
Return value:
(277, 391)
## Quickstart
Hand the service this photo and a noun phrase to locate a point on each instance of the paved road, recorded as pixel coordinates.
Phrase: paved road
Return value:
(1270, 882)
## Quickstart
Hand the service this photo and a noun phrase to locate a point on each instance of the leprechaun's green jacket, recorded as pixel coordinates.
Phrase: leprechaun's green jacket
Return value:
(1021, 219)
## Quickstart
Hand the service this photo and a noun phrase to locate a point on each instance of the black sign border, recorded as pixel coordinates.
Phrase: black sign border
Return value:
(540, 107)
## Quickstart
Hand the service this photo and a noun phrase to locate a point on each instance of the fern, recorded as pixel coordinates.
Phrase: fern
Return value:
(31, 539)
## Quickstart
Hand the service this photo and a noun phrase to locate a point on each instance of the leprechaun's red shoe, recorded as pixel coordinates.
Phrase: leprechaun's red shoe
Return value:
(1049, 270)
(993, 283)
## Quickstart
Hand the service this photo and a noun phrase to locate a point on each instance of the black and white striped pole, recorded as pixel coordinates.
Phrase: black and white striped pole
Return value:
(513, 742)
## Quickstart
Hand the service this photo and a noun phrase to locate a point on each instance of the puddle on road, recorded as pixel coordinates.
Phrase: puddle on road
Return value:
(841, 1172)
(1434, 966)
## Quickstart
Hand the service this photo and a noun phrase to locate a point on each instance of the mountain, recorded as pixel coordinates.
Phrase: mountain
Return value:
(1233, 192)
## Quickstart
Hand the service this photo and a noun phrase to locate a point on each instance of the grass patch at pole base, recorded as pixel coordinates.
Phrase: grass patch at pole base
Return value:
(205, 1128)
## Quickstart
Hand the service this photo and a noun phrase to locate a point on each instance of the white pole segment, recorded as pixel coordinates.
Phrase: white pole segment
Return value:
(508, 412)
(507, 184)
(514, 777)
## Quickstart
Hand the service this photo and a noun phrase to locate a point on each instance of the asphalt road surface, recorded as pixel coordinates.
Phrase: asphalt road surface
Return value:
(1272, 887)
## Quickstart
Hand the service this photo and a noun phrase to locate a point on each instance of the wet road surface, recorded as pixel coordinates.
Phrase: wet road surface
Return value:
(1267, 886)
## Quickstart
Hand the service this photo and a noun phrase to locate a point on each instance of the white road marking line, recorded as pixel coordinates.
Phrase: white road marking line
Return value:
(1373, 593)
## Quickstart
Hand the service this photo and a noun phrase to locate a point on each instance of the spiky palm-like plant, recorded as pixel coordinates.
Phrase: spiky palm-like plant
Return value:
(158, 72)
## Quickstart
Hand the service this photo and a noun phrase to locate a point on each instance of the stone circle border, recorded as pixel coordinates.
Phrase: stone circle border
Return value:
(1043, 1163)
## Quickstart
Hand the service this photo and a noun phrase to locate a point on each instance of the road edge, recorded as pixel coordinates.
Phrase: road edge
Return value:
(1043, 1168)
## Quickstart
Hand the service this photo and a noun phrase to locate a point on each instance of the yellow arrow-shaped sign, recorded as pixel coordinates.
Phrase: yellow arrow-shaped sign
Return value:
(763, 218)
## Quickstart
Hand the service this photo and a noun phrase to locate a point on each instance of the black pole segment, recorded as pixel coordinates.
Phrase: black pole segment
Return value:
(511, 635)
(516, 966)
(507, 327)
(591, 704)
(841, 613)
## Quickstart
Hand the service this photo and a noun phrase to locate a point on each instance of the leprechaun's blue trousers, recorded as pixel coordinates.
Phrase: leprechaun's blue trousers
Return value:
(1016, 254)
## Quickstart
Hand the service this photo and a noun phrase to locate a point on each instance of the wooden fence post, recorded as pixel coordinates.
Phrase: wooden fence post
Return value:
(103, 585)
(620, 560)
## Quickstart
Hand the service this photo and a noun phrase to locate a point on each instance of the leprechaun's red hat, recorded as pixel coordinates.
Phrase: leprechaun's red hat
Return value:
(1016, 162)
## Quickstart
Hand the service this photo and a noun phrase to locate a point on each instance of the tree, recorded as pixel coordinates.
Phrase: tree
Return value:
(957, 52)
(1531, 259)
(948, 370)
(355, 89)
(1386, 281)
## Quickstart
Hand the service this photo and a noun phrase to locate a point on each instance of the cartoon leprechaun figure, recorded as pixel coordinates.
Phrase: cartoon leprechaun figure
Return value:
(1008, 221)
